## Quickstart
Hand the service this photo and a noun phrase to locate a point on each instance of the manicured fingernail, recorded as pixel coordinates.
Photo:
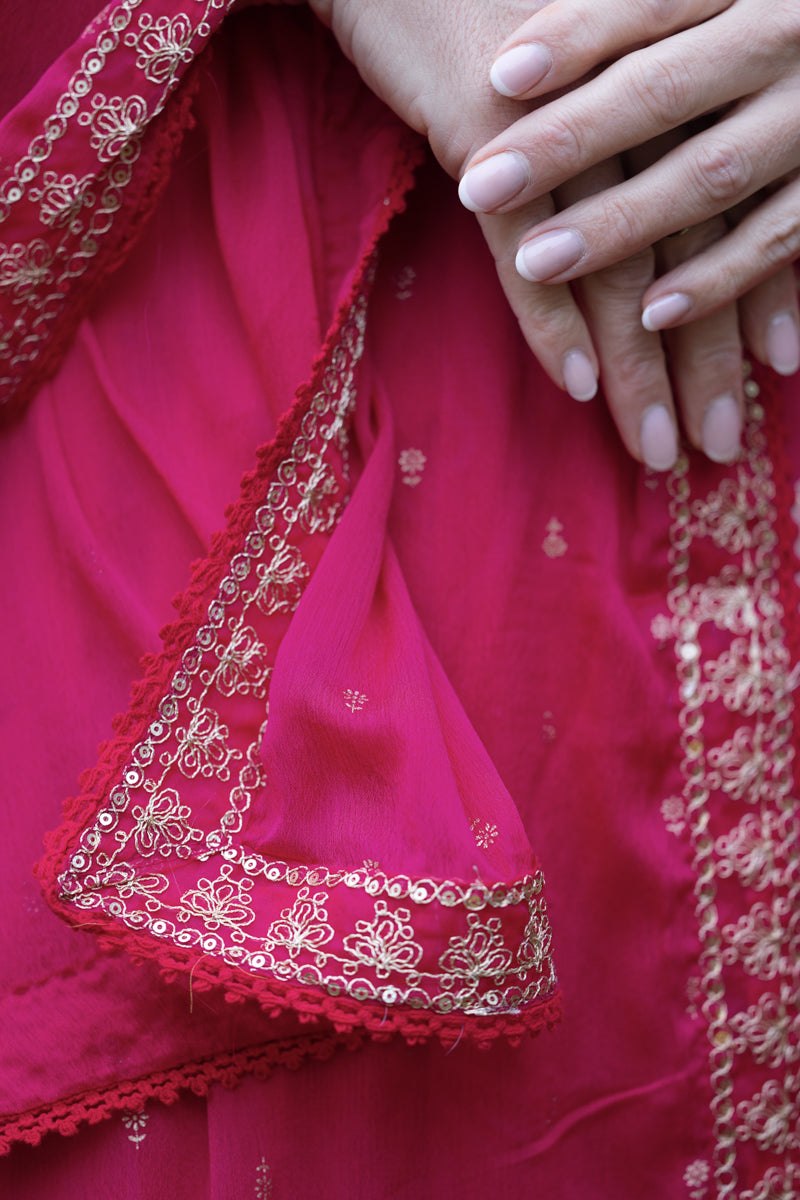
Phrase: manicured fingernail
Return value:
(722, 430)
(658, 439)
(549, 254)
(492, 182)
(520, 69)
(579, 377)
(665, 311)
(783, 344)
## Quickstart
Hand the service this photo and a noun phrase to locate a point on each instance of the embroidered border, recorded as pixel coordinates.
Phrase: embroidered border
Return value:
(73, 215)
(352, 944)
(738, 811)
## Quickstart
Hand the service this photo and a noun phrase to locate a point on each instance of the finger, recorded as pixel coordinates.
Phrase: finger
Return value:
(549, 318)
(568, 38)
(701, 178)
(706, 360)
(770, 322)
(633, 101)
(766, 240)
(632, 366)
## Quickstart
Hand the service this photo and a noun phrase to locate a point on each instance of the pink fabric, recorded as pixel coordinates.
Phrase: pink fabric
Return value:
(511, 594)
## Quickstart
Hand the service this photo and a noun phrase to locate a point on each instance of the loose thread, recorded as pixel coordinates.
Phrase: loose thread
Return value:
(455, 1043)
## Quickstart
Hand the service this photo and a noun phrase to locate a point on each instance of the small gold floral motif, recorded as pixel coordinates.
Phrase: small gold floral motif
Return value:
(554, 544)
(404, 283)
(696, 1178)
(412, 464)
(354, 700)
(136, 1123)
(485, 833)
(263, 1181)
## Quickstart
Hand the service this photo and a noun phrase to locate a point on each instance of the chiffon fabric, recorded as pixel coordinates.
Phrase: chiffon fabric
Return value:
(451, 642)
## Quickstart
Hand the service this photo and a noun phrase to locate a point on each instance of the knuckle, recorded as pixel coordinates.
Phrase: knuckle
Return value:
(665, 87)
(636, 372)
(621, 224)
(782, 243)
(784, 19)
(723, 172)
(660, 14)
(563, 143)
(719, 363)
(627, 280)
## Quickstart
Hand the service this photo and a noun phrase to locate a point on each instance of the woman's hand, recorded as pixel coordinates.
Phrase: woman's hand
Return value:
(742, 56)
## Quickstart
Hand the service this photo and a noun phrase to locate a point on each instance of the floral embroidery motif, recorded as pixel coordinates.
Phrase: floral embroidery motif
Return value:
(387, 943)
(696, 1178)
(404, 283)
(136, 1123)
(674, 814)
(25, 268)
(304, 926)
(548, 727)
(412, 464)
(354, 932)
(163, 824)
(354, 700)
(554, 544)
(485, 833)
(62, 199)
(162, 45)
(263, 1190)
(37, 277)
(738, 812)
(220, 901)
(116, 124)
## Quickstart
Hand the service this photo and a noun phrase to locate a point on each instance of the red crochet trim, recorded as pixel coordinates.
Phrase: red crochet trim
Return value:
(161, 146)
(344, 1013)
(90, 1107)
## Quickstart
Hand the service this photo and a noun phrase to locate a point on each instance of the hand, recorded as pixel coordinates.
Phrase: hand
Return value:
(754, 46)
(429, 59)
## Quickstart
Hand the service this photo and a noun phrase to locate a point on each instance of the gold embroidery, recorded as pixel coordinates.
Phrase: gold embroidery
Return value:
(357, 932)
(404, 283)
(696, 1178)
(485, 832)
(412, 464)
(137, 1124)
(554, 544)
(75, 215)
(162, 45)
(263, 1181)
(738, 810)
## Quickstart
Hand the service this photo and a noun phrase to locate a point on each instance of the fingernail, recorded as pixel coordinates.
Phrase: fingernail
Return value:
(579, 377)
(783, 344)
(665, 311)
(658, 440)
(549, 254)
(722, 430)
(492, 182)
(520, 69)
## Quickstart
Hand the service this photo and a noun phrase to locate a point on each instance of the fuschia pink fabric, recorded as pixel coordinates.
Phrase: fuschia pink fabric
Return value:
(554, 646)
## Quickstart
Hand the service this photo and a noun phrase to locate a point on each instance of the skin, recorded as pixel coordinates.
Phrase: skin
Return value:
(740, 167)
(429, 61)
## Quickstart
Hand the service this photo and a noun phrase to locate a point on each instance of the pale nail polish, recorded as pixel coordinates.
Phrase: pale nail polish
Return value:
(658, 440)
(783, 344)
(722, 429)
(549, 254)
(579, 377)
(665, 311)
(492, 182)
(520, 69)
